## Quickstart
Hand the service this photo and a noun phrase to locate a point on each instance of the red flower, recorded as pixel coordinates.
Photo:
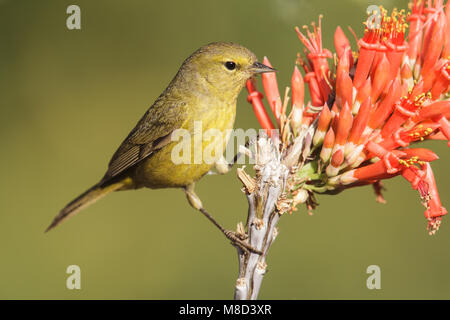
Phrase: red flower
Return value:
(395, 94)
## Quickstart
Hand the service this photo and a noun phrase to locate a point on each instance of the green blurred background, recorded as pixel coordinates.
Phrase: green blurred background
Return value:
(68, 98)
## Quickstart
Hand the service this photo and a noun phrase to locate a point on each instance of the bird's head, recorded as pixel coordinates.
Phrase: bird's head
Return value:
(224, 67)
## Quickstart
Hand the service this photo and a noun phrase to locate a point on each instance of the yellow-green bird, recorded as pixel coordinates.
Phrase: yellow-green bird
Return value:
(205, 89)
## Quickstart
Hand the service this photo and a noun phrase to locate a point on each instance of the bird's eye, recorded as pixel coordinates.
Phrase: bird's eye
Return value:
(230, 65)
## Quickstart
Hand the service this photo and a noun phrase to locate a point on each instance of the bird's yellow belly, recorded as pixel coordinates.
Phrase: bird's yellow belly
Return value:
(186, 160)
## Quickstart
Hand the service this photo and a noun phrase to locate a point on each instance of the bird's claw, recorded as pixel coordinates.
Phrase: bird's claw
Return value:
(238, 240)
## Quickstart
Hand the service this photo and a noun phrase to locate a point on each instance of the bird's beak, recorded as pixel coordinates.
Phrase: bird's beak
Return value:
(258, 67)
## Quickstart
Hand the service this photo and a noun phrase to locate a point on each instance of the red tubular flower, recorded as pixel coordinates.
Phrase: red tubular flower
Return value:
(342, 44)
(433, 13)
(298, 94)
(344, 89)
(397, 97)
(371, 172)
(344, 125)
(327, 147)
(269, 80)
(317, 57)
(322, 126)
(362, 94)
(442, 78)
(314, 90)
(435, 44)
(298, 89)
(430, 78)
(434, 210)
(402, 162)
(386, 106)
(406, 137)
(416, 19)
(380, 78)
(368, 46)
(405, 109)
(344, 62)
(359, 124)
(434, 110)
(407, 75)
(421, 153)
(255, 98)
(396, 46)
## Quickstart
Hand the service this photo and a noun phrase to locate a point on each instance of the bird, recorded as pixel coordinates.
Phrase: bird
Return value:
(205, 89)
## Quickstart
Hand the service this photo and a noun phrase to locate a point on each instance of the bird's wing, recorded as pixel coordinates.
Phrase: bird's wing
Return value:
(151, 133)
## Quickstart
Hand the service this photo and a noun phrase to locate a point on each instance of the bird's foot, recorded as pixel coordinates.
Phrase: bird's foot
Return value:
(238, 240)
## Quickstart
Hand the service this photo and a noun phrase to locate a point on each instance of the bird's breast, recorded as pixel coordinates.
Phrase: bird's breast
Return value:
(193, 150)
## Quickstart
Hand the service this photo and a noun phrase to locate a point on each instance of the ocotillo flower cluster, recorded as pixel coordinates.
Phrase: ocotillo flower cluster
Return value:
(369, 108)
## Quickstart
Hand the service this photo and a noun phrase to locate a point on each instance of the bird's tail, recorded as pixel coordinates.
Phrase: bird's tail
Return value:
(93, 194)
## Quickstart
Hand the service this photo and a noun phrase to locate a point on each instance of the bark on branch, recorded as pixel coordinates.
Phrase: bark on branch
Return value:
(267, 201)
